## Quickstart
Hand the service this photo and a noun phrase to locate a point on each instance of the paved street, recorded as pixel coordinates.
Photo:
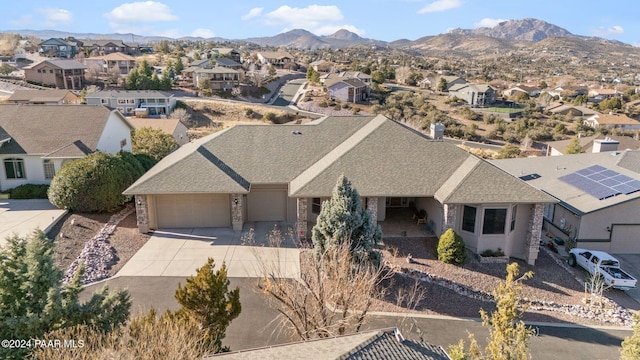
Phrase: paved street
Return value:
(254, 327)
(287, 92)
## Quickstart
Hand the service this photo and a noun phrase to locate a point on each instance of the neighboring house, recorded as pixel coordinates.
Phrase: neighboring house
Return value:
(348, 90)
(59, 48)
(253, 173)
(612, 121)
(173, 127)
(359, 75)
(594, 144)
(451, 81)
(36, 140)
(532, 91)
(104, 47)
(123, 62)
(220, 78)
(230, 53)
(575, 110)
(188, 72)
(474, 94)
(134, 102)
(601, 94)
(227, 63)
(47, 97)
(276, 58)
(598, 197)
(384, 344)
(63, 74)
(322, 65)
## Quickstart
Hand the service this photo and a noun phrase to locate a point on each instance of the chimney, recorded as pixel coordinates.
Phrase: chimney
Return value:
(437, 131)
(606, 144)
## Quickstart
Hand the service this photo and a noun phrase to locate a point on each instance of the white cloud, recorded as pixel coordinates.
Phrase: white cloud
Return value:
(488, 22)
(255, 12)
(55, 17)
(612, 31)
(440, 5)
(146, 11)
(318, 19)
(204, 33)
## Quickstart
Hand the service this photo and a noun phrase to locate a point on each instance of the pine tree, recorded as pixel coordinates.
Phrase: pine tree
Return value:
(207, 298)
(573, 147)
(33, 300)
(343, 219)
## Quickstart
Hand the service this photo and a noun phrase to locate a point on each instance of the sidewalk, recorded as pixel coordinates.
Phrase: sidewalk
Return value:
(21, 217)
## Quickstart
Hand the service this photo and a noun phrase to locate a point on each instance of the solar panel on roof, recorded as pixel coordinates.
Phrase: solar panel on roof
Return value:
(601, 183)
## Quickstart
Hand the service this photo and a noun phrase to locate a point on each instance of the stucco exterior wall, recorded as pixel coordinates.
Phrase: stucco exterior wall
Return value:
(115, 131)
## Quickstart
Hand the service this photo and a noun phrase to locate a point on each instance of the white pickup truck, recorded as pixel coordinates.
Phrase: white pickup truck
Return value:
(599, 262)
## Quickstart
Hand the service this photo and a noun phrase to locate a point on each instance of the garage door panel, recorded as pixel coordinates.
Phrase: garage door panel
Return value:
(267, 204)
(625, 239)
(193, 210)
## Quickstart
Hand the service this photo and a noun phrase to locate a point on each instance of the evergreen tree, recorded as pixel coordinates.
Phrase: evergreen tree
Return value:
(573, 147)
(207, 298)
(343, 219)
(631, 345)
(178, 66)
(153, 142)
(33, 300)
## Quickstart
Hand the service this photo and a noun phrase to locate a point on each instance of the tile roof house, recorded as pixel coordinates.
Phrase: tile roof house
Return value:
(36, 140)
(598, 196)
(612, 121)
(135, 102)
(61, 73)
(47, 96)
(474, 94)
(250, 173)
(173, 127)
(384, 344)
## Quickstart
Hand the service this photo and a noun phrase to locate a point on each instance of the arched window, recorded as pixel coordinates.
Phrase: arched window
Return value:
(14, 168)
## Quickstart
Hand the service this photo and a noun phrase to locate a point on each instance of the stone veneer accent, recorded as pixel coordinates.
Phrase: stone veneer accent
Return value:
(237, 218)
(450, 216)
(372, 208)
(301, 224)
(534, 233)
(142, 213)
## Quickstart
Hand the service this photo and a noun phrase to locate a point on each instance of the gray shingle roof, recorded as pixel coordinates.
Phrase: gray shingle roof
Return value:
(376, 344)
(115, 94)
(380, 156)
(43, 129)
(630, 160)
(38, 95)
(216, 70)
(226, 62)
(64, 64)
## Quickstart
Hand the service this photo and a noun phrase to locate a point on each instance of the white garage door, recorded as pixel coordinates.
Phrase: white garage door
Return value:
(193, 210)
(625, 239)
(267, 203)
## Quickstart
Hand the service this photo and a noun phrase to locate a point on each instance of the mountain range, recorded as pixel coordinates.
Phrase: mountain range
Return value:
(504, 36)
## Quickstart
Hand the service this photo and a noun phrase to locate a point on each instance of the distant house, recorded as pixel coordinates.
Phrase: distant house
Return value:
(594, 144)
(474, 94)
(275, 58)
(36, 140)
(63, 74)
(359, 75)
(612, 121)
(531, 91)
(123, 62)
(45, 97)
(59, 48)
(384, 344)
(348, 90)
(220, 78)
(227, 63)
(322, 65)
(229, 53)
(104, 47)
(135, 102)
(575, 110)
(601, 94)
(173, 127)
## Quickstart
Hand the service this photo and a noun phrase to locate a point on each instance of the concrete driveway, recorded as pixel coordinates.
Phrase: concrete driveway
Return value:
(631, 264)
(179, 252)
(21, 217)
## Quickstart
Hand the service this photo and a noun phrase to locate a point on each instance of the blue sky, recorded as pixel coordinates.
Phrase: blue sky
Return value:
(377, 19)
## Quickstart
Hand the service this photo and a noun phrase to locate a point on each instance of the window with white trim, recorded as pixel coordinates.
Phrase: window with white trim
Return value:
(49, 169)
(14, 168)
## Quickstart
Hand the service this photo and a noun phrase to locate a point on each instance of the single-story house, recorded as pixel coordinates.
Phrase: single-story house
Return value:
(220, 78)
(276, 58)
(532, 91)
(36, 140)
(598, 197)
(61, 73)
(601, 94)
(598, 143)
(612, 121)
(135, 102)
(348, 90)
(46, 96)
(574, 110)
(322, 65)
(252, 173)
(173, 127)
(384, 344)
(474, 94)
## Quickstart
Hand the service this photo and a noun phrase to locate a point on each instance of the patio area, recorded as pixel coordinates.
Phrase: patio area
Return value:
(399, 222)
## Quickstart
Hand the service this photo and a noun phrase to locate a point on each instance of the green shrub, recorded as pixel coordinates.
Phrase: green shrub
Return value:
(95, 183)
(248, 112)
(337, 107)
(29, 191)
(451, 248)
(147, 161)
(269, 116)
(323, 104)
